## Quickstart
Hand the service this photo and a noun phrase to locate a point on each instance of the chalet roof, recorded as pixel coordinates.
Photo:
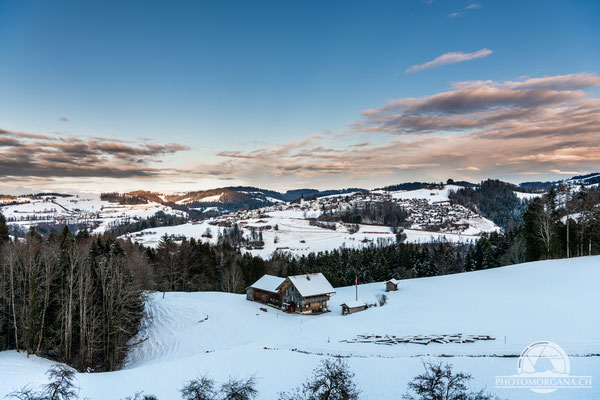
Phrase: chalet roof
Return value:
(354, 304)
(311, 284)
(394, 281)
(268, 283)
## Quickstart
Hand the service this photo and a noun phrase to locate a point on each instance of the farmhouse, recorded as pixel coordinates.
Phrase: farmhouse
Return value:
(306, 293)
(391, 285)
(265, 290)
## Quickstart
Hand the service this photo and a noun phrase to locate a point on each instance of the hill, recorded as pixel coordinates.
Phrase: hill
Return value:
(187, 334)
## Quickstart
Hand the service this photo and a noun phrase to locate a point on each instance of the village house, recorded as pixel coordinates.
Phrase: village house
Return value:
(266, 290)
(391, 285)
(308, 293)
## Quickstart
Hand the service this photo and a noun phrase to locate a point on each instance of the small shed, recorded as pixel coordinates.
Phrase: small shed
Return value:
(350, 307)
(391, 285)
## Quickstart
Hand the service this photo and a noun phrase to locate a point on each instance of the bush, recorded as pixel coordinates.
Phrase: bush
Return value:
(440, 383)
(202, 388)
(381, 299)
(61, 386)
(238, 389)
(332, 380)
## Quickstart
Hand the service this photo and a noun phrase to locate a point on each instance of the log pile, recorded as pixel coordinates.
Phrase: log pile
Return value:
(417, 339)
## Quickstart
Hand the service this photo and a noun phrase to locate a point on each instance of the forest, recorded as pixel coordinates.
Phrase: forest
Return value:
(79, 299)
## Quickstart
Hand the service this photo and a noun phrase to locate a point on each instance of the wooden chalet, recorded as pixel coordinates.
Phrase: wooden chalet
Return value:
(266, 290)
(306, 294)
(391, 285)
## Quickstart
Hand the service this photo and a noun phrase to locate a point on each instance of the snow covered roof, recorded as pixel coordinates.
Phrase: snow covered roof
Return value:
(354, 304)
(311, 284)
(394, 281)
(268, 283)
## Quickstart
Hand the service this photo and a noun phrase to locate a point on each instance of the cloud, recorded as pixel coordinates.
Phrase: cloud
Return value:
(450, 58)
(476, 129)
(542, 126)
(45, 156)
(464, 10)
(63, 119)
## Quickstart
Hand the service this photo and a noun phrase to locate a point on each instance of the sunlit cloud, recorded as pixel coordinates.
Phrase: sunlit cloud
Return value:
(450, 58)
(477, 129)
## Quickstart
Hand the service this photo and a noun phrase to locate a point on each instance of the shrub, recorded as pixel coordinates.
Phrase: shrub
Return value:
(332, 380)
(440, 383)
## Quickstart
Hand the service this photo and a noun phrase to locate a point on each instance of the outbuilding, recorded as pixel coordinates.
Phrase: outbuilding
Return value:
(351, 307)
(391, 285)
(266, 290)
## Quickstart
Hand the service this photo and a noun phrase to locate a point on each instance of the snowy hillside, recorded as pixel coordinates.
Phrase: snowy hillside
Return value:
(287, 227)
(187, 334)
(295, 235)
(86, 209)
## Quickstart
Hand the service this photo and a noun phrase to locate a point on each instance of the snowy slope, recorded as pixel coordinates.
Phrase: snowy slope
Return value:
(432, 195)
(83, 208)
(297, 236)
(224, 335)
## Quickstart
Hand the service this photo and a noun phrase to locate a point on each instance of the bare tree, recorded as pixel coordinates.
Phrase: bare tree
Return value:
(239, 389)
(202, 388)
(60, 387)
(332, 380)
(441, 383)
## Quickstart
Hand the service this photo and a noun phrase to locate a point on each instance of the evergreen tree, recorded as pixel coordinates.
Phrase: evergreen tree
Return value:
(3, 230)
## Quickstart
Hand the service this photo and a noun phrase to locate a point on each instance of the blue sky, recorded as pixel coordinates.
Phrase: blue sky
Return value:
(243, 76)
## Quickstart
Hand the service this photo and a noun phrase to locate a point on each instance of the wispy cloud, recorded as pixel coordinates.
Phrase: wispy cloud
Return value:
(464, 10)
(450, 58)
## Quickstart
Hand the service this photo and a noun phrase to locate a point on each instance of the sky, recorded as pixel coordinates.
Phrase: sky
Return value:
(188, 95)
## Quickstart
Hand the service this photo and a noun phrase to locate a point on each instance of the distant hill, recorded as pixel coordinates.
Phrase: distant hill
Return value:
(587, 179)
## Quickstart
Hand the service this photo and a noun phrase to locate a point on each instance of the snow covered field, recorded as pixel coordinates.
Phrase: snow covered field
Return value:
(83, 208)
(224, 335)
(291, 233)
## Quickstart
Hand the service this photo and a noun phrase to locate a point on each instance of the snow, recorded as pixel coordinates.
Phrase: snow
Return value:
(394, 281)
(296, 236)
(312, 284)
(85, 208)
(528, 196)
(268, 283)
(224, 335)
(431, 195)
(211, 199)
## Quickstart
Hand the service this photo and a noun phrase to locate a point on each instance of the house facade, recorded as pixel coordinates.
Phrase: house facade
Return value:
(306, 294)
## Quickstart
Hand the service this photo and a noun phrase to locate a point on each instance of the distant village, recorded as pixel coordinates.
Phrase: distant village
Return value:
(423, 214)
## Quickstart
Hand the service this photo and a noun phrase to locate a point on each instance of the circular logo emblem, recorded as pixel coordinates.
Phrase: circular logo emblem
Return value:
(544, 360)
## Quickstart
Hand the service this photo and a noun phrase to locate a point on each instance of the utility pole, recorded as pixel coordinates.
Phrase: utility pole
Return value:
(356, 286)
